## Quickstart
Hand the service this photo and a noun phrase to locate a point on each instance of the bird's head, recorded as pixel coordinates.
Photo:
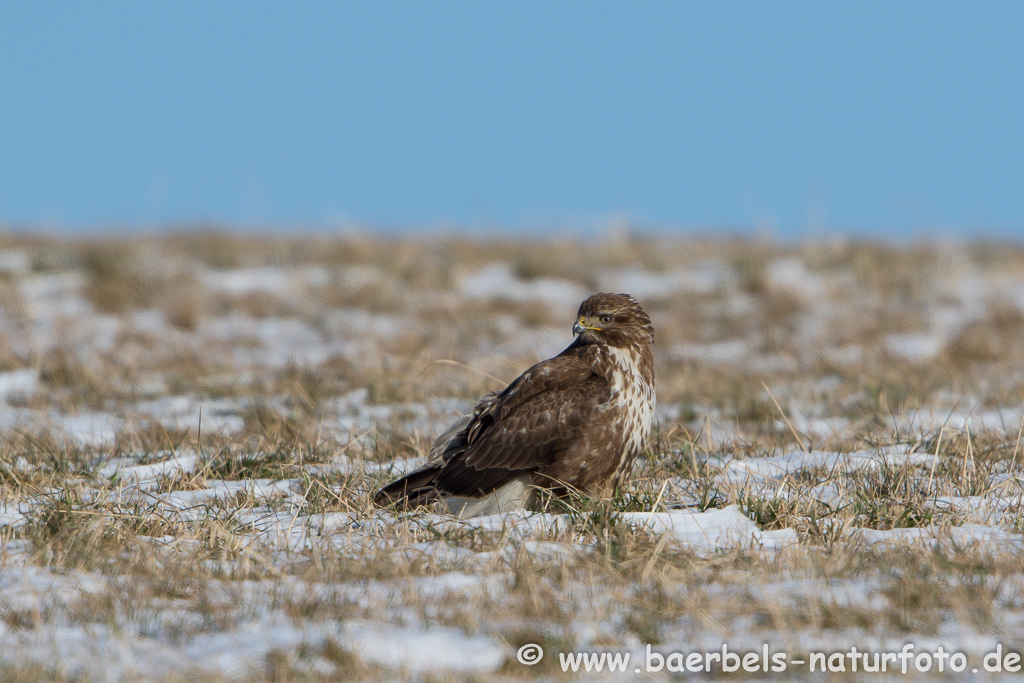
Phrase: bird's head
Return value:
(613, 319)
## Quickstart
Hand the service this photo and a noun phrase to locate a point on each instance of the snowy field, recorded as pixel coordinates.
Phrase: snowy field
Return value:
(192, 428)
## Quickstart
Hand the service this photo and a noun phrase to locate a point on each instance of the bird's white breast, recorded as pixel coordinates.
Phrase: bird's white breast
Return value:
(634, 396)
(515, 495)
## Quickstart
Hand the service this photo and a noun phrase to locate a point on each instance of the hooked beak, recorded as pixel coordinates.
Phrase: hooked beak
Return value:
(581, 325)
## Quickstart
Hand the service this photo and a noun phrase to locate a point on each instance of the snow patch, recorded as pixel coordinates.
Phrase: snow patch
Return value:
(915, 348)
(650, 286)
(184, 463)
(983, 536)
(791, 276)
(712, 530)
(497, 281)
(18, 383)
(417, 651)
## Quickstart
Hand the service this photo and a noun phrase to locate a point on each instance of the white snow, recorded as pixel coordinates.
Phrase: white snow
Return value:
(223, 490)
(932, 420)
(183, 462)
(731, 351)
(417, 651)
(15, 263)
(791, 276)
(819, 427)
(446, 604)
(782, 466)
(271, 280)
(497, 281)
(271, 342)
(242, 650)
(982, 536)
(916, 348)
(189, 412)
(649, 286)
(90, 428)
(523, 523)
(359, 323)
(711, 530)
(18, 383)
(13, 514)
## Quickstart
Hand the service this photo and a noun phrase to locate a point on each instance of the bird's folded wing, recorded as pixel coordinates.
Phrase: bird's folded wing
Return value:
(527, 426)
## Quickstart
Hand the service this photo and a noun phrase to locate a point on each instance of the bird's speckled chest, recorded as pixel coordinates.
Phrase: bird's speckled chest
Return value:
(633, 395)
(630, 407)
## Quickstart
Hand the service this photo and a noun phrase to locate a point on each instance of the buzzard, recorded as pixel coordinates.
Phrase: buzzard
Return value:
(575, 421)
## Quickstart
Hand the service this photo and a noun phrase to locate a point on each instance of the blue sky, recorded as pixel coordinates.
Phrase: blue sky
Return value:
(869, 118)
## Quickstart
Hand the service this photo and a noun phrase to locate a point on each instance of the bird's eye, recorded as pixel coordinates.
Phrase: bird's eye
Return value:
(606, 319)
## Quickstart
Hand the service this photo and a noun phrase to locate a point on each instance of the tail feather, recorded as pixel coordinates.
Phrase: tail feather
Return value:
(415, 488)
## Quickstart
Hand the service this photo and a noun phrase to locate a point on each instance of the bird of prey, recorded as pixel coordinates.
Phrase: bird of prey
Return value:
(573, 422)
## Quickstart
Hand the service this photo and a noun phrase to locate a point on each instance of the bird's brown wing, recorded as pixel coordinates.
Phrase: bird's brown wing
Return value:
(527, 426)
(417, 488)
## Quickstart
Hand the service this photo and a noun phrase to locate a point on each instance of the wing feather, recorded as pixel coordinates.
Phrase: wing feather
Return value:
(524, 427)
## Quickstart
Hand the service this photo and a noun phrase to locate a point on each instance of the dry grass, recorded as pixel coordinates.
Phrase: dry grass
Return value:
(289, 535)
